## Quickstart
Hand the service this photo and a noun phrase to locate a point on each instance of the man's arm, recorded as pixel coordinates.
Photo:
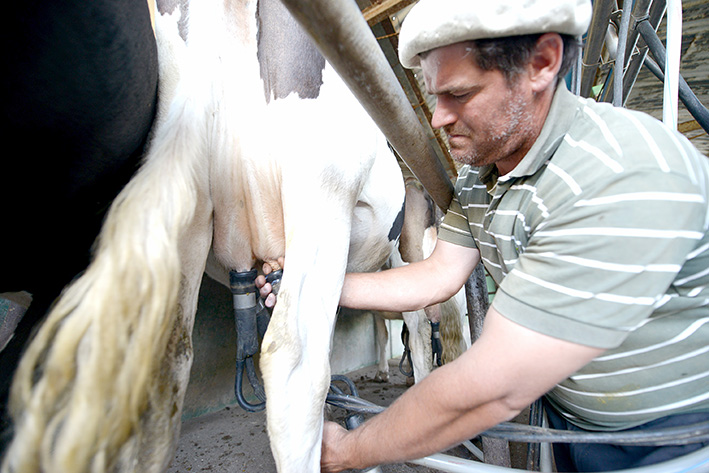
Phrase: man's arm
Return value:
(507, 369)
(411, 287)
(414, 286)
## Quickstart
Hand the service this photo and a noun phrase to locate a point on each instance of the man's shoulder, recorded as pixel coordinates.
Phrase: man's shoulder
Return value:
(620, 139)
(627, 126)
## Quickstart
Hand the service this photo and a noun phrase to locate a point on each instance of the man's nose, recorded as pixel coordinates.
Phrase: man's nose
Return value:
(443, 114)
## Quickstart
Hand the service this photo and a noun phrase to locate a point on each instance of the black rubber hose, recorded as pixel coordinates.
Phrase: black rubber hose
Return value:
(513, 432)
(238, 390)
(436, 345)
(247, 344)
(406, 356)
(682, 435)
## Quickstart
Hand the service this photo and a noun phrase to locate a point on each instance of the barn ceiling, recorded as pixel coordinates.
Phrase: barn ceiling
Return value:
(645, 90)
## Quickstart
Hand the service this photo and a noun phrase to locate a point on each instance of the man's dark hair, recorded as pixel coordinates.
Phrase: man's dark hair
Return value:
(511, 54)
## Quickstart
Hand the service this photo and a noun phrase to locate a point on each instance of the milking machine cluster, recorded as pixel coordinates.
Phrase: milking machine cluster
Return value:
(252, 318)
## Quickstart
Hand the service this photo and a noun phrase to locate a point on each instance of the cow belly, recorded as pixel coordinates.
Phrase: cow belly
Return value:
(378, 214)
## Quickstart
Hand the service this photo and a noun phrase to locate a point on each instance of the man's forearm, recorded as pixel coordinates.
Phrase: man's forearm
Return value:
(429, 419)
(394, 290)
(491, 382)
(414, 286)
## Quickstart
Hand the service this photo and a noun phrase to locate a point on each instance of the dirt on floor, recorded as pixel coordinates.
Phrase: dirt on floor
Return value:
(233, 440)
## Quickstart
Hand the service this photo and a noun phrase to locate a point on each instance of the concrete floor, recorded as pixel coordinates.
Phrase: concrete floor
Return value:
(232, 440)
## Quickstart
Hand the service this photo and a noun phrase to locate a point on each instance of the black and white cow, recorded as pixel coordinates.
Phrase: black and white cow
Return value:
(442, 324)
(80, 94)
(259, 152)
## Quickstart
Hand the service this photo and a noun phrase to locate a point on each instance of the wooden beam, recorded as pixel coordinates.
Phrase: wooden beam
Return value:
(416, 97)
(688, 126)
(381, 10)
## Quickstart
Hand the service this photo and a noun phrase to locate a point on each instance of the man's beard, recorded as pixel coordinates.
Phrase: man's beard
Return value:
(499, 142)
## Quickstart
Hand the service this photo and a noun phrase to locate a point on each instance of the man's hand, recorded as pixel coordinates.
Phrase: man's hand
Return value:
(333, 440)
(265, 288)
(505, 370)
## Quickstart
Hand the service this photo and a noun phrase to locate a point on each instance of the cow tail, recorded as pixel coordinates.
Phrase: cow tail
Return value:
(91, 375)
(451, 330)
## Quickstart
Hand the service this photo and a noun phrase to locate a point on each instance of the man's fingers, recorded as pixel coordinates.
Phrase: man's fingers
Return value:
(266, 289)
(267, 268)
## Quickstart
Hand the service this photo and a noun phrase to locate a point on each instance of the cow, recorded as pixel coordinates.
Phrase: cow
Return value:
(420, 337)
(258, 151)
(80, 97)
(442, 324)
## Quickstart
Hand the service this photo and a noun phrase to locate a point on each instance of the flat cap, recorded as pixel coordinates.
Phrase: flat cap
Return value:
(435, 23)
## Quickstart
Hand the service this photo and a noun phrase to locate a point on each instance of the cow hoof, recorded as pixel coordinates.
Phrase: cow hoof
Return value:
(381, 377)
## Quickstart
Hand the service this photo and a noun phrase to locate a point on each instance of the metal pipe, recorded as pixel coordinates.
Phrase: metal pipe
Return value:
(594, 44)
(689, 99)
(674, 51)
(344, 38)
(536, 418)
(682, 435)
(630, 66)
(576, 75)
(619, 67)
(697, 461)
(545, 451)
(479, 454)
(643, 9)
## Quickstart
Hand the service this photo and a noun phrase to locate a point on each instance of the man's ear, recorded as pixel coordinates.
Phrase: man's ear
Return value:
(545, 61)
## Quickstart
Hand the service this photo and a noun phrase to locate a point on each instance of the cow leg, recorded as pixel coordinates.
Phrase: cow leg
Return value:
(296, 372)
(382, 334)
(419, 342)
(295, 351)
(350, 231)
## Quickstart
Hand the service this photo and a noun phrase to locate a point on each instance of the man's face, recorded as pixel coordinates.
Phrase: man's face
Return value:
(486, 121)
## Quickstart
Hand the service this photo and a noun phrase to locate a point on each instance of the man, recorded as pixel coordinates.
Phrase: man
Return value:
(593, 223)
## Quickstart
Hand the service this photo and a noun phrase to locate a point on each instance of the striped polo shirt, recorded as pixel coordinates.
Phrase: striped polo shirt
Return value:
(599, 237)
